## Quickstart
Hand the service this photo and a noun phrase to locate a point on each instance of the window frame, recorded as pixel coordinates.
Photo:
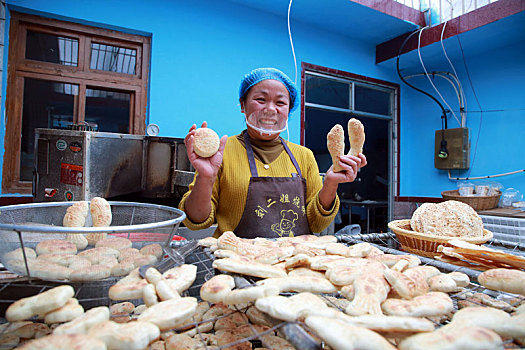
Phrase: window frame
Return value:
(394, 128)
(352, 83)
(19, 68)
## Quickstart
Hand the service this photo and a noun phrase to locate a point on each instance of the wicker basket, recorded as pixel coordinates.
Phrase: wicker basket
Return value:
(426, 245)
(476, 202)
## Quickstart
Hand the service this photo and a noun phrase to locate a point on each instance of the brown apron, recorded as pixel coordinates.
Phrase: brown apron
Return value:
(275, 206)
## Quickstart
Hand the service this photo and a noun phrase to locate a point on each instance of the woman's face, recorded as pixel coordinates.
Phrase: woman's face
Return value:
(266, 106)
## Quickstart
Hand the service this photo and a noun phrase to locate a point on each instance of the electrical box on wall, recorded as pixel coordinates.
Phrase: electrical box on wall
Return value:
(457, 146)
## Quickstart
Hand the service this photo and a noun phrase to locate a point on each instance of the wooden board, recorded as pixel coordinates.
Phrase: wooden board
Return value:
(507, 212)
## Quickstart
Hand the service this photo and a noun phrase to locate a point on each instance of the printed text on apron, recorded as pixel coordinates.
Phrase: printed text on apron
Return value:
(275, 206)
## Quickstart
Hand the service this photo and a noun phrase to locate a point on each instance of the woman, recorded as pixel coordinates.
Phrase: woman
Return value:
(257, 184)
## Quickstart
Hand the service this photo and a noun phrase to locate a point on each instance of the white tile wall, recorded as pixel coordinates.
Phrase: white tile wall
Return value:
(508, 229)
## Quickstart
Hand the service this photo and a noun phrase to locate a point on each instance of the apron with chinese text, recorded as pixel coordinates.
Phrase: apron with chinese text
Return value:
(275, 206)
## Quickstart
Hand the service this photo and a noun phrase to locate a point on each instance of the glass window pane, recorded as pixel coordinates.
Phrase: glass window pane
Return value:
(108, 109)
(372, 100)
(327, 92)
(51, 48)
(113, 58)
(318, 123)
(373, 179)
(46, 104)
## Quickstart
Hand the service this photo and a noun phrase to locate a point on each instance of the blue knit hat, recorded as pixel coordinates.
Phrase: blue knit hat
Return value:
(260, 74)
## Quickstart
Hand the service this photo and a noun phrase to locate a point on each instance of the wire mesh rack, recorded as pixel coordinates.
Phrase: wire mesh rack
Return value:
(301, 337)
(89, 294)
(293, 332)
(26, 225)
(298, 335)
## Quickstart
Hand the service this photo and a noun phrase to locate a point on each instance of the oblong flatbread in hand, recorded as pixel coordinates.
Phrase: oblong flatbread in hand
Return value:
(335, 142)
(356, 136)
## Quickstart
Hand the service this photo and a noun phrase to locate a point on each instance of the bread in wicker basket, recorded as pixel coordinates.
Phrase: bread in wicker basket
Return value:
(476, 202)
(425, 244)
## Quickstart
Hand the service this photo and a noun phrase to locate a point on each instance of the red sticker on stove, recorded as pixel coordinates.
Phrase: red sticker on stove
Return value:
(71, 174)
(75, 147)
(50, 192)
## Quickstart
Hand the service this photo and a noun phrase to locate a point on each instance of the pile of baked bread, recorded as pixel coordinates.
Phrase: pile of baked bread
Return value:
(68, 259)
(449, 218)
(56, 259)
(457, 221)
(348, 296)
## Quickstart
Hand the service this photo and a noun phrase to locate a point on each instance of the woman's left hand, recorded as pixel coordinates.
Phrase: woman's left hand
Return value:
(350, 165)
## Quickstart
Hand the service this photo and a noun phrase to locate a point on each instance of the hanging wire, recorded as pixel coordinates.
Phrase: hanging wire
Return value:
(291, 42)
(448, 77)
(462, 112)
(428, 76)
(404, 80)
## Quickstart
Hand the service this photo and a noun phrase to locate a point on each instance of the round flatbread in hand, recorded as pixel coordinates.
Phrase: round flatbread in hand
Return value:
(206, 142)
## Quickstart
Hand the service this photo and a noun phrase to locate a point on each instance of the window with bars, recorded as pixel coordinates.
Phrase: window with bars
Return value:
(62, 73)
(113, 58)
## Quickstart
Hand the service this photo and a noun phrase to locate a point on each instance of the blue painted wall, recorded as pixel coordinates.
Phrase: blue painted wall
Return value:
(491, 81)
(201, 49)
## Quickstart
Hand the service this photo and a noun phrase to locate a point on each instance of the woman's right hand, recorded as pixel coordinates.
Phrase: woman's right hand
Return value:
(206, 167)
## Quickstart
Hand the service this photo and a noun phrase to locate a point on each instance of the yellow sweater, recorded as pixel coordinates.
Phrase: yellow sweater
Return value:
(231, 187)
